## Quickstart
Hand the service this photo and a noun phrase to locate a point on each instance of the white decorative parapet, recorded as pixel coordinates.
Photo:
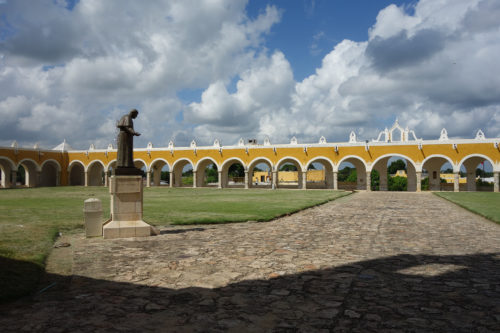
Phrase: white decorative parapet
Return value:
(444, 135)
(217, 143)
(241, 142)
(193, 144)
(267, 142)
(322, 140)
(293, 141)
(352, 137)
(480, 135)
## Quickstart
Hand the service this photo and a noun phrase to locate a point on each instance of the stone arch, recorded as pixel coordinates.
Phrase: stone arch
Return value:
(263, 179)
(320, 178)
(470, 163)
(76, 172)
(361, 172)
(380, 165)
(31, 172)
(7, 172)
(95, 173)
(200, 170)
(50, 173)
(224, 174)
(176, 173)
(290, 179)
(156, 169)
(432, 165)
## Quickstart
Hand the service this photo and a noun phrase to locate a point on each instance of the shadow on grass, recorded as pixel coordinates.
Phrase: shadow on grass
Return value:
(410, 293)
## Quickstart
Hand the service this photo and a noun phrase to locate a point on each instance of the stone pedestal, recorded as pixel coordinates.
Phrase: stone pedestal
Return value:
(126, 208)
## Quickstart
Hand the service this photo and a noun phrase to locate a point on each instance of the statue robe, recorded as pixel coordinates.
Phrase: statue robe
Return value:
(125, 141)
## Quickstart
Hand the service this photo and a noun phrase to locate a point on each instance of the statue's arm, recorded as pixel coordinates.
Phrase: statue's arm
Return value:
(129, 130)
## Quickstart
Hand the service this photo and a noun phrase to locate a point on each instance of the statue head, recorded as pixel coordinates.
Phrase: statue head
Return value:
(133, 113)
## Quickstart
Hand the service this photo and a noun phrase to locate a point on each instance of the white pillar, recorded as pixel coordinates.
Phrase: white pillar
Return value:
(171, 179)
(335, 181)
(148, 178)
(368, 181)
(194, 179)
(275, 180)
(304, 179)
(496, 182)
(106, 179)
(419, 181)
(456, 182)
(86, 178)
(220, 179)
(246, 179)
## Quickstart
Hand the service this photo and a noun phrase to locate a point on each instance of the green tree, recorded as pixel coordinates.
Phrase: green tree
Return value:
(395, 166)
(212, 174)
(236, 170)
(353, 176)
(288, 167)
(397, 183)
(375, 180)
(344, 173)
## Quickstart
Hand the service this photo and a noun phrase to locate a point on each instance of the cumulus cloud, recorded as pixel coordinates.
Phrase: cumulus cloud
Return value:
(433, 68)
(100, 59)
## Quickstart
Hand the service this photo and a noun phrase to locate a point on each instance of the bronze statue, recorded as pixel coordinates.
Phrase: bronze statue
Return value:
(125, 140)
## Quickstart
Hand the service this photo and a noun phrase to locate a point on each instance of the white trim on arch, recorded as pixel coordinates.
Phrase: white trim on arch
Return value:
(395, 155)
(447, 158)
(320, 158)
(37, 167)
(205, 159)
(12, 164)
(182, 159)
(481, 156)
(159, 159)
(94, 162)
(233, 159)
(143, 162)
(345, 158)
(257, 159)
(51, 160)
(109, 164)
(72, 163)
(288, 158)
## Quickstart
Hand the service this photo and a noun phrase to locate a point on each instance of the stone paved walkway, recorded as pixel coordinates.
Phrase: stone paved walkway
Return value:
(369, 262)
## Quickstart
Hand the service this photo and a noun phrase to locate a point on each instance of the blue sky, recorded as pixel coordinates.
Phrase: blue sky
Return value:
(230, 69)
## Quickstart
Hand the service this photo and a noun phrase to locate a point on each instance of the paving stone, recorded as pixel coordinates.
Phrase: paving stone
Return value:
(372, 261)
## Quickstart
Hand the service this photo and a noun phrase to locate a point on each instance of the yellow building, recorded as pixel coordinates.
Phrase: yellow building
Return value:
(65, 166)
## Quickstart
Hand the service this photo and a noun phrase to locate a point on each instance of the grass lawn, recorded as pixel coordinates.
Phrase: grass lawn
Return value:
(486, 204)
(31, 219)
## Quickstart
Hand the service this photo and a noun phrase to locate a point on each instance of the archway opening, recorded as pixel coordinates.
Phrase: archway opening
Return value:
(30, 173)
(160, 174)
(183, 174)
(49, 174)
(260, 173)
(319, 175)
(437, 175)
(393, 173)
(289, 174)
(207, 174)
(478, 174)
(233, 174)
(351, 175)
(77, 175)
(95, 174)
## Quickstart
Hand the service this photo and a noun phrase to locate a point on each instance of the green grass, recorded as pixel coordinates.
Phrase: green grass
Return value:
(486, 204)
(31, 219)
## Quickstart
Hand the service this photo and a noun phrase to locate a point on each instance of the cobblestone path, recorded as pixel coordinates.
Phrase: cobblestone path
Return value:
(369, 262)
